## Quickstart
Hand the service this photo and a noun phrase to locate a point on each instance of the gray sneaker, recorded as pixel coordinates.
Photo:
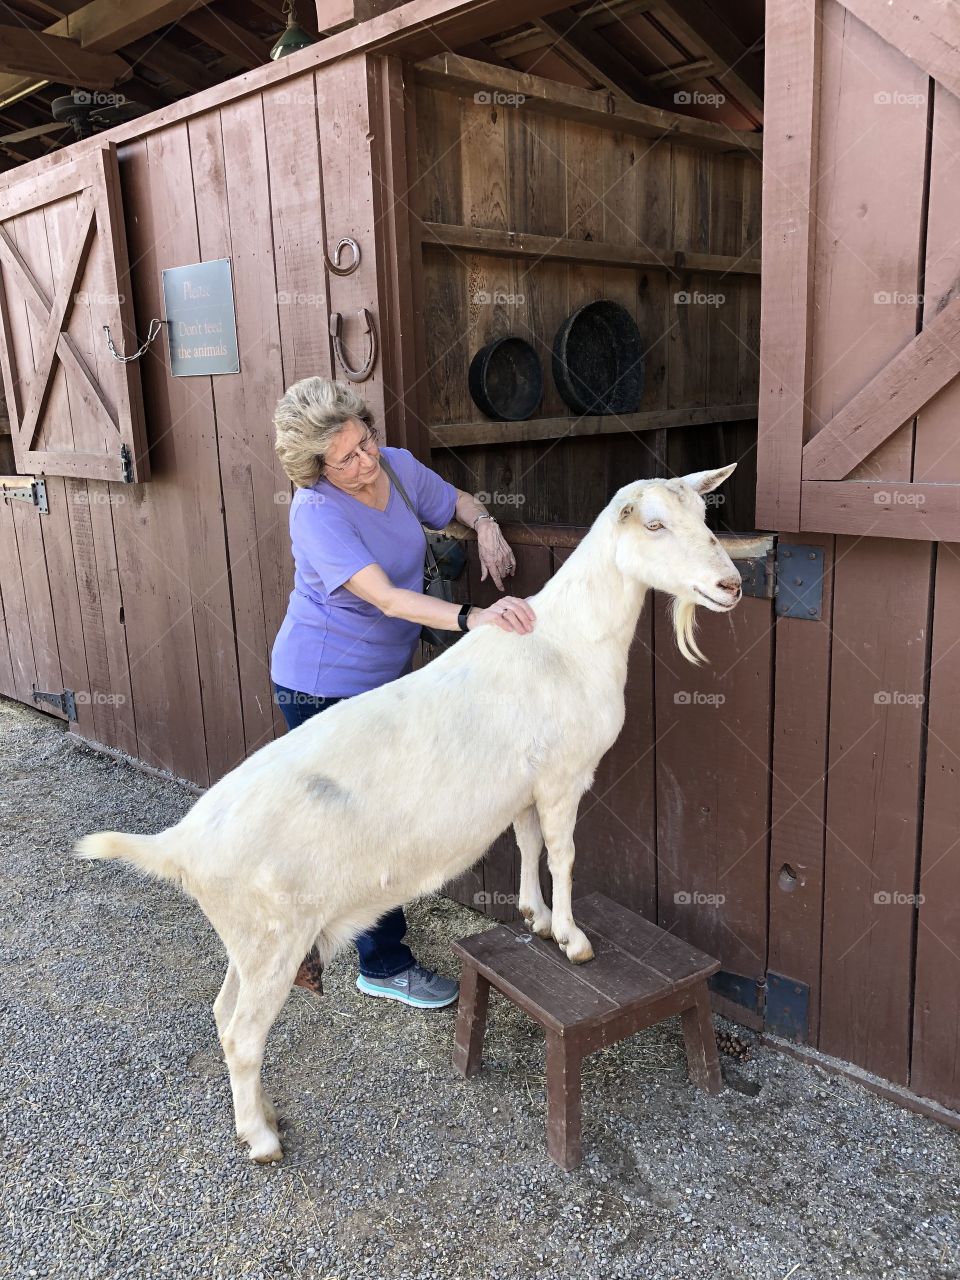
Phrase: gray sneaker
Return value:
(417, 986)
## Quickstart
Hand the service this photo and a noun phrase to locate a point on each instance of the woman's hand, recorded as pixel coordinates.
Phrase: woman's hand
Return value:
(496, 558)
(509, 614)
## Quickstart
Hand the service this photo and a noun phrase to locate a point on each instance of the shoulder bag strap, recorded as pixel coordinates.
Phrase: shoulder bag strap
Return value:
(434, 570)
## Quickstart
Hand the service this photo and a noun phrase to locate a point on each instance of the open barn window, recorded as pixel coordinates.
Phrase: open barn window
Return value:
(75, 410)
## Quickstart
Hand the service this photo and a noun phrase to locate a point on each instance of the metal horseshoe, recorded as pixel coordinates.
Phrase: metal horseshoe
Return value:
(335, 266)
(336, 327)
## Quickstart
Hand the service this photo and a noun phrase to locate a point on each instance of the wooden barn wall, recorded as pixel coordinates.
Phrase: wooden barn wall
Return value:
(757, 805)
(513, 168)
(159, 602)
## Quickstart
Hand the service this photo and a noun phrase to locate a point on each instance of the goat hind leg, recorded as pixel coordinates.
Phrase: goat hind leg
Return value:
(526, 827)
(225, 1002)
(259, 1000)
(558, 814)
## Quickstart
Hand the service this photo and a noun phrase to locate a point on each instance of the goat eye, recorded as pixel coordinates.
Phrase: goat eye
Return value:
(653, 525)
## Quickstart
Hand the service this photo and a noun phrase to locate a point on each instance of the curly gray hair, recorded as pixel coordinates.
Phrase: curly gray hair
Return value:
(308, 418)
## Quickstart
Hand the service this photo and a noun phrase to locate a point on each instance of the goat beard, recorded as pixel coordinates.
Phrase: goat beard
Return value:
(684, 628)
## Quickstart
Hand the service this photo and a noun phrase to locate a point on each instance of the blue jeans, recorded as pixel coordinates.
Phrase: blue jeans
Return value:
(382, 950)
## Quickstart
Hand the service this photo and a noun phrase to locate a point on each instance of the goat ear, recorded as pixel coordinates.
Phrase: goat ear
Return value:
(625, 512)
(706, 481)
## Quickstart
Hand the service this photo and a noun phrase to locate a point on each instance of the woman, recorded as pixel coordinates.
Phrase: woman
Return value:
(357, 605)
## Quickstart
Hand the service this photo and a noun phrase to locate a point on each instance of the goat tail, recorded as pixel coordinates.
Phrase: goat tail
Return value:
(151, 854)
(684, 627)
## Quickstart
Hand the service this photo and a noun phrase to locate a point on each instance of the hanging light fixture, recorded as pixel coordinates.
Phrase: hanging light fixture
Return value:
(293, 37)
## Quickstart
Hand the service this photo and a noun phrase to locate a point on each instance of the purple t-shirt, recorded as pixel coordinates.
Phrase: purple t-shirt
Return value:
(331, 643)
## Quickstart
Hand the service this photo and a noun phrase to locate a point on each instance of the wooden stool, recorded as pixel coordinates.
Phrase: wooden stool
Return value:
(639, 975)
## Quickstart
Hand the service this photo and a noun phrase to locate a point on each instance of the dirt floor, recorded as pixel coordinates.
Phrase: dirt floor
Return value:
(118, 1154)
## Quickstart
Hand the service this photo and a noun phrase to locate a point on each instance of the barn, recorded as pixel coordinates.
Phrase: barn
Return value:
(768, 192)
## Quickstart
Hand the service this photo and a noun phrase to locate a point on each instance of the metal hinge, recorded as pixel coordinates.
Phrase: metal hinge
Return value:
(799, 584)
(63, 701)
(788, 573)
(781, 1003)
(33, 490)
(126, 463)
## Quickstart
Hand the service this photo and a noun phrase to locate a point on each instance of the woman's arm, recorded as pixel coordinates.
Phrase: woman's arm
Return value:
(373, 585)
(496, 558)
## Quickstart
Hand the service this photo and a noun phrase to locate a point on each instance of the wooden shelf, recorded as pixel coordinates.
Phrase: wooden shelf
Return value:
(525, 244)
(591, 106)
(488, 432)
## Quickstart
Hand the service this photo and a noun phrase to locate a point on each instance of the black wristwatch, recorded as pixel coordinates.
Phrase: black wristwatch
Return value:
(462, 616)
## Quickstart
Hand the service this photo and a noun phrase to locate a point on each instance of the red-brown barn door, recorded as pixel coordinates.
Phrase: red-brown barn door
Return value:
(75, 410)
(860, 333)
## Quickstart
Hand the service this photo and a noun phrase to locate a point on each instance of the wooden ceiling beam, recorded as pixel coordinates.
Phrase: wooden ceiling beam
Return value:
(669, 77)
(38, 55)
(617, 72)
(228, 38)
(169, 61)
(738, 69)
(464, 75)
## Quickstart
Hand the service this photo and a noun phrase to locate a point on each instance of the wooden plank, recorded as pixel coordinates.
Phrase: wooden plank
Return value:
(465, 75)
(863, 318)
(902, 387)
(801, 714)
(792, 84)
(891, 509)
(713, 753)
(937, 442)
(254, 490)
(15, 607)
(402, 425)
(289, 115)
(928, 35)
(523, 244)
(488, 432)
(156, 537)
(935, 1065)
(877, 684)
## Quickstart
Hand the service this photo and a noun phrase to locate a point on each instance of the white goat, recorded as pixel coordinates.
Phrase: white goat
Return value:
(315, 836)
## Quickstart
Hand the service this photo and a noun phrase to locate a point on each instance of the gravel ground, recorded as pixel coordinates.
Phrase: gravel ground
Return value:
(118, 1151)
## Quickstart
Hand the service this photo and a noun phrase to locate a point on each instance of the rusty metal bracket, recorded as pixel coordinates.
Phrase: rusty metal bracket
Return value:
(336, 328)
(334, 265)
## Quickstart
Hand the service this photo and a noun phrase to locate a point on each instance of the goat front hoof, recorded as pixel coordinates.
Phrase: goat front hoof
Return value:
(577, 948)
(540, 923)
(267, 1149)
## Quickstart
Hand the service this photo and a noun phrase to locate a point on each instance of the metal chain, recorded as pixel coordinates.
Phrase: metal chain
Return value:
(140, 350)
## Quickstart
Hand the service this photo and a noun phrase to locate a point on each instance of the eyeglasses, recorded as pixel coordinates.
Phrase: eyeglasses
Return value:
(367, 445)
